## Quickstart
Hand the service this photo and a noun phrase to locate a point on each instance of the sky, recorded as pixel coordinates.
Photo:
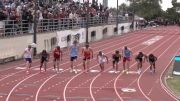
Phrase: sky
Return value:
(112, 3)
(165, 3)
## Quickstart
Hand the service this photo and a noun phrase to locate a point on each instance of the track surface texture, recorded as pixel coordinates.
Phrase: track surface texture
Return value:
(16, 85)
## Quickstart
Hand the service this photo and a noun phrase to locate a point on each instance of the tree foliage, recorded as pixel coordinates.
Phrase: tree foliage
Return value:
(171, 13)
(149, 9)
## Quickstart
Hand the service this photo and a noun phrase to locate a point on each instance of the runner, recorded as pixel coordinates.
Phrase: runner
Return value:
(127, 54)
(152, 60)
(28, 58)
(140, 58)
(88, 54)
(44, 59)
(74, 55)
(102, 58)
(57, 53)
(116, 58)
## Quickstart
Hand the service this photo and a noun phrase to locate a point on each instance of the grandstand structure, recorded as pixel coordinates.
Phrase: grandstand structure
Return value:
(20, 19)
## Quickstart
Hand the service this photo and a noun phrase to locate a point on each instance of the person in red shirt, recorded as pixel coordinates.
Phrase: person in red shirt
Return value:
(87, 53)
(57, 53)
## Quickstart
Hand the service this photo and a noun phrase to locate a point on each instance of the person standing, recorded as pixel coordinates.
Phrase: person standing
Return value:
(102, 58)
(116, 58)
(57, 53)
(44, 59)
(87, 53)
(74, 55)
(28, 58)
(127, 54)
(152, 61)
(140, 58)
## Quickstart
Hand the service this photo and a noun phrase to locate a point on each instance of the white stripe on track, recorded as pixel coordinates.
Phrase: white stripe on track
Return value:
(148, 68)
(118, 77)
(115, 83)
(64, 94)
(48, 69)
(52, 61)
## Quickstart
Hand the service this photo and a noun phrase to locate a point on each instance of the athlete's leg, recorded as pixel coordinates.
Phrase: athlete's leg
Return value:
(88, 61)
(84, 64)
(45, 65)
(117, 66)
(55, 64)
(58, 61)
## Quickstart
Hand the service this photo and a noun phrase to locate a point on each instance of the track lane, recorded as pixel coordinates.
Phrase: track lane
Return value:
(151, 91)
(108, 82)
(4, 74)
(88, 77)
(133, 83)
(28, 78)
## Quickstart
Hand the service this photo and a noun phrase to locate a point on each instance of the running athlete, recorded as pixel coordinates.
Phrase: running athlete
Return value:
(102, 58)
(57, 53)
(44, 59)
(74, 55)
(140, 58)
(116, 58)
(28, 58)
(152, 60)
(127, 54)
(88, 54)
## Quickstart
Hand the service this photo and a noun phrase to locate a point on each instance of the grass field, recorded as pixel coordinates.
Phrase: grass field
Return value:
(173, 82)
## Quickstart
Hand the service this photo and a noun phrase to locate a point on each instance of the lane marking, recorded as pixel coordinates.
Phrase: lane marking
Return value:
(20, 68)
(115, 83)
(94, 71)
(128, 90)
(148, 68)
(152, 40)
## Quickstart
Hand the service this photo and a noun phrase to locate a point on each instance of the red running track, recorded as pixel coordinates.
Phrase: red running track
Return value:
(15, 85)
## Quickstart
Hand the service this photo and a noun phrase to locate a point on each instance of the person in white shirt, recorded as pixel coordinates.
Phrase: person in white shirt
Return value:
(28, 58)
(102, 58)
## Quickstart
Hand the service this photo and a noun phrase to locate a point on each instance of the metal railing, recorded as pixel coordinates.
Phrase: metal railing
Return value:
(11, 28)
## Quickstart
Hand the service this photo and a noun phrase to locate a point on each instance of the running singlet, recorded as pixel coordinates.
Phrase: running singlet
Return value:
(152, 59)
(27, 53)
(57, 53)
(87, 53)
(102, 59)
(116, 57)
(74, 51)
(44, 56)
(127, 53)
(140, 56)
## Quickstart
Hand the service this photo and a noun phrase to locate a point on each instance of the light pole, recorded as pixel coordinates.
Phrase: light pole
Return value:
(117, 20)
(133, 14)
(87, 23)
(35, 28)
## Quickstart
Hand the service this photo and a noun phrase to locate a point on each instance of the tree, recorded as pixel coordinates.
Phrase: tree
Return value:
(123, 8)
(149, 9)
(171, 13)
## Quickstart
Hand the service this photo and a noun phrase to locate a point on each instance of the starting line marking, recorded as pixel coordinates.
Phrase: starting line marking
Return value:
(94, 71)
(20, 68)
(78, 70)
(128, 90)
(36, 69)
(133, 72)
(111, 71)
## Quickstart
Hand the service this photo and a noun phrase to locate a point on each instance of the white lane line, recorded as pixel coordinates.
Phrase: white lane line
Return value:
(63, 63)
(162, 84)
(148, 68)
(49, 68)
(115, 83)
(64, 92)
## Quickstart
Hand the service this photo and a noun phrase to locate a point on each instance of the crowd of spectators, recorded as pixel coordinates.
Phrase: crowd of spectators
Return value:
(25, 10)
(21, 13)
